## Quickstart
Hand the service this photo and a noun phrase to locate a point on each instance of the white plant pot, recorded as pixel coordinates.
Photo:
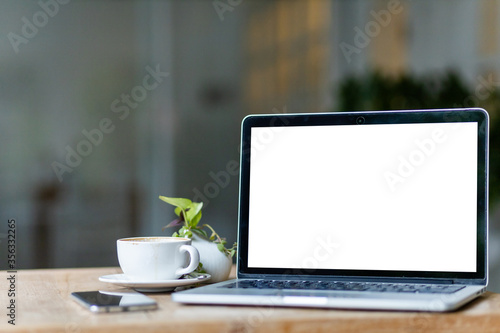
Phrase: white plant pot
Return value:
(215, 263)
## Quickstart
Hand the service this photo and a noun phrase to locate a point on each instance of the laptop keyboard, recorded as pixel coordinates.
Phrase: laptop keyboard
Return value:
(343, 286)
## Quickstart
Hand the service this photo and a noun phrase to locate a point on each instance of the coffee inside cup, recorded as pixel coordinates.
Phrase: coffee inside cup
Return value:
(154, 239)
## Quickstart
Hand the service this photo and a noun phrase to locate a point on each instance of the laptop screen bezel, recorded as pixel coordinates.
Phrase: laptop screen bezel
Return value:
(364, 118)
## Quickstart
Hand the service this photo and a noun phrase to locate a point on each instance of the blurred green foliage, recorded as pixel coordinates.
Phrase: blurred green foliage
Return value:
(375, 91)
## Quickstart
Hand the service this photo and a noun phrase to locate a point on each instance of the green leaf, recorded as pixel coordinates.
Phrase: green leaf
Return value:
(200, 268)
(221, 247)
(194, 213)
(194, 221)
(177, 202)
(182, 231)
(200, 232)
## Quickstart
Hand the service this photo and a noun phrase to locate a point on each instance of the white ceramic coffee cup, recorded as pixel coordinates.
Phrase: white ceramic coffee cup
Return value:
(156, 258)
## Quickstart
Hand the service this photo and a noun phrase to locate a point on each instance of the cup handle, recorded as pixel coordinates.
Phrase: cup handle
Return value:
(193, 262)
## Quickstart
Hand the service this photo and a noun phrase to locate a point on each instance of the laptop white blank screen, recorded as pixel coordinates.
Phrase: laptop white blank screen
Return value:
(399, 197)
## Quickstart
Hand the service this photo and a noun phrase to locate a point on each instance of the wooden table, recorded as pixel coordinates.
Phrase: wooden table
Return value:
(43, 304)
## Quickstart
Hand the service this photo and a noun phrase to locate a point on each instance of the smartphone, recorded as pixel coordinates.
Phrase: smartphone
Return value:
(111, 301)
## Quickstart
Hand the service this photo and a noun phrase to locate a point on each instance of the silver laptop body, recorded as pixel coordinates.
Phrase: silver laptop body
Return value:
(360, 210)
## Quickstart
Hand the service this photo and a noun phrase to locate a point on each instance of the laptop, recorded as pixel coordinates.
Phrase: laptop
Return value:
(360, 210)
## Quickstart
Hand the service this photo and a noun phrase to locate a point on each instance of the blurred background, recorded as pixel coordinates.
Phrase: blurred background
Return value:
(105, 105)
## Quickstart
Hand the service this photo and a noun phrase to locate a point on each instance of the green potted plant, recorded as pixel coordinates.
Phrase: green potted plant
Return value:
(215, 257)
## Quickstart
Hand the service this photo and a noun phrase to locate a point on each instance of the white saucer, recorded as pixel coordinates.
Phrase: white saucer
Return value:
(154, 286)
